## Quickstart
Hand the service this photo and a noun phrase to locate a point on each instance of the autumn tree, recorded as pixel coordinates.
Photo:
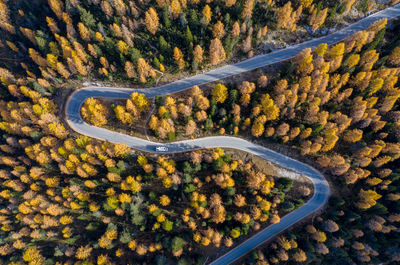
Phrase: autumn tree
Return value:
(122, 115)
(176, 8)
(120, 7)
(317, 18)
(229, 3)
(144, 70)
(95, 112)
(248, 7)
(216, 51)
(269, 107)
(220, 93)
(394, 57)
(304, 61)
(151, 20)
(235, 30)
(5, 18)
(138, 101)
(367, 199)
(207, 14)
(178, 57)
(218, 30)
(287, 18)
(190, 127)
(198, 54)
(130, 69)
(57, 7)
(353, 136)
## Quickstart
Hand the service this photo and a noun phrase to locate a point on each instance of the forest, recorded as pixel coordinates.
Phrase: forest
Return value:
(335, 104)
(147, 41)
(69, 199)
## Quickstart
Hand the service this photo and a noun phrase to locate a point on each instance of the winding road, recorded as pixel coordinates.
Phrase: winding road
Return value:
(321, 186)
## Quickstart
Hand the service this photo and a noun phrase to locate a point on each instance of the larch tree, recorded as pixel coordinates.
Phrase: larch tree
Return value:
(120, 7)
(304, 63)
(218, 30)
(178, 57)
(352, 60)
(116, 30)
(95, 112)
(229, 3)
(107, 8)
(198, 54)
(388, 103)
(353, 136)
(144, 70)
(79, 65)
(190, 127)
(394, 57)
(176, 8)
(99, 37)
(257, 129)
(269, 107)
(220, 93)
(247, 11)
(357, 41)
(335, 51)
(130, 69)
(123, 47)
(84, 32)
(368, 59)
(246, 46)
(207, 14)
(151, 20)
(367, 199)
(306, 3)
(52, 25)
(348, 6)
(235, 29)
(29, 34)
(317, 18)
(122, 115)
(35, 56)
(140, 101)
(57, 7)
(5, 18)
(287, 18)
(217, 52)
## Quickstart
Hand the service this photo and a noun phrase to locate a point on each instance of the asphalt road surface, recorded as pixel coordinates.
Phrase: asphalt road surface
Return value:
(321, 186)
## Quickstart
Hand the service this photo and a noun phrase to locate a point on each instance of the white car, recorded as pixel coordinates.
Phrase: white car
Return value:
(161, 148)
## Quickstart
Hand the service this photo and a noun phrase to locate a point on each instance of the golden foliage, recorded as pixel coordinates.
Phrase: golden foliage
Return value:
(317, 18)
(94, 111)
(144, 70)
(367, 198)
(176, 8)
(151, 20)
(220, 93)
(287, 18)
(207, 14)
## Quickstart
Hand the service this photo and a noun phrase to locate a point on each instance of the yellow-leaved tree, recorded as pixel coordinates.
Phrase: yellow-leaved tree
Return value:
(151, 20)
(217, 52)
(220, 93)
(269, 107)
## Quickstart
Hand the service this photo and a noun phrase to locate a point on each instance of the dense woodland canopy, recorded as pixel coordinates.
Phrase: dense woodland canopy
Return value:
(337, 105)
(70, 199)
(141, 40)
(349, 124)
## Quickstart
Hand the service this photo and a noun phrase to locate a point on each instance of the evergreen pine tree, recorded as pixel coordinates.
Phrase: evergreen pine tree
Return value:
(164, 46)
(188, 37)
(165, 17)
